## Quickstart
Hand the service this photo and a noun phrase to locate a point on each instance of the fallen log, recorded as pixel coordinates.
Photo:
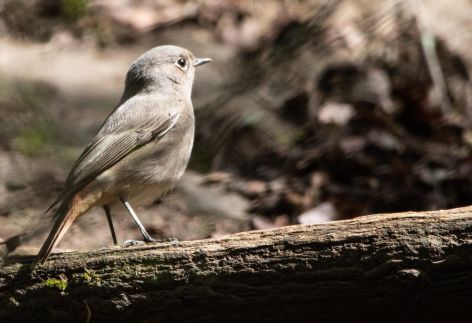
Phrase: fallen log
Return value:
(414, 266)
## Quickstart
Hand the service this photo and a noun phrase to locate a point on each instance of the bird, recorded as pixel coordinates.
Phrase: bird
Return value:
(142, 148)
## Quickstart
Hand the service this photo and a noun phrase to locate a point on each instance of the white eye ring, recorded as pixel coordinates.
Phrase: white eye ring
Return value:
(181, 63)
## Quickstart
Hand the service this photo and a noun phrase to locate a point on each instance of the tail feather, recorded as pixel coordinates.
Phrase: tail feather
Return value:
(65, 216)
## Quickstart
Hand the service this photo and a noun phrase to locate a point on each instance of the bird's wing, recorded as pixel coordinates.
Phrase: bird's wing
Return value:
(131, 126)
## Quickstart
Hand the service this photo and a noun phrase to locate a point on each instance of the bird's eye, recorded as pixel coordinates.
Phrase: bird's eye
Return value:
(182, 63)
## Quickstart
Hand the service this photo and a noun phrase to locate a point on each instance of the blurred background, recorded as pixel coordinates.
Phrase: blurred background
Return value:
(311, 111)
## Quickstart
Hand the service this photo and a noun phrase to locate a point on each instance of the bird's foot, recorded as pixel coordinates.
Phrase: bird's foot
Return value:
(171, 241)
(130, 243)
(149, 239)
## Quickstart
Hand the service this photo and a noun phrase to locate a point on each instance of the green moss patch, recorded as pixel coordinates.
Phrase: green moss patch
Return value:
(60, 284)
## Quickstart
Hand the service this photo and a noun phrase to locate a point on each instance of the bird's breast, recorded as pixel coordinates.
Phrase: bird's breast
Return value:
(155, 168)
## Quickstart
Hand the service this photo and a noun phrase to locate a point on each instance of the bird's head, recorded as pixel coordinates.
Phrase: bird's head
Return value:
(163, 68)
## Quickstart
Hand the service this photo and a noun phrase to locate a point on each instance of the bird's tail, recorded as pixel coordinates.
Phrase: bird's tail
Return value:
(68, 211)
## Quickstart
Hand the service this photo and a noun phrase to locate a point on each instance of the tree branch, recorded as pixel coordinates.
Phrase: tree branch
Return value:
(389, 267)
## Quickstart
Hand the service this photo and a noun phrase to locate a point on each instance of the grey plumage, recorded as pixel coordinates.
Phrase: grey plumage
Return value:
(142, 148)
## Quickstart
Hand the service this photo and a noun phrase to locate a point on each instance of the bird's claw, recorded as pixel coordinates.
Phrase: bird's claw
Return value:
(130, 243)
(171, 241)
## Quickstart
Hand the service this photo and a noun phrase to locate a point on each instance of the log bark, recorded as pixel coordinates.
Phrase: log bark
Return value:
(387, 267)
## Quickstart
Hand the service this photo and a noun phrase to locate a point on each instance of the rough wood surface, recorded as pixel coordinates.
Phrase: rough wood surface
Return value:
(390, 267)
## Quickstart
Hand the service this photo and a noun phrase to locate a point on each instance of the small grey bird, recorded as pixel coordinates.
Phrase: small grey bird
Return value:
(142, 148)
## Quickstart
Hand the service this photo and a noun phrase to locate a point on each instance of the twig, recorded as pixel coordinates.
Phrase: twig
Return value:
(428, 44)
(89, 312)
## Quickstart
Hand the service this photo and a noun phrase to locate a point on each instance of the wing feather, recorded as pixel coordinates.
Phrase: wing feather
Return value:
(118, 137)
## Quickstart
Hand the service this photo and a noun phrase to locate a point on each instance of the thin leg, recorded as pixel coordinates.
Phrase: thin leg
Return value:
(110, 223)
(146, 235)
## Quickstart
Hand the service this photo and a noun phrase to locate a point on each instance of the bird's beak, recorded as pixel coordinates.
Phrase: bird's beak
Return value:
(201, 61)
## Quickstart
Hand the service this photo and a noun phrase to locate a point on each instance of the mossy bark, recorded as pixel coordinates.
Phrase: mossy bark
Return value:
(388, 267)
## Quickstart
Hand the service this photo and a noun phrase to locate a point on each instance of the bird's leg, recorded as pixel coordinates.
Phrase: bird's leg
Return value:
(147, 237)
(110, 223)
